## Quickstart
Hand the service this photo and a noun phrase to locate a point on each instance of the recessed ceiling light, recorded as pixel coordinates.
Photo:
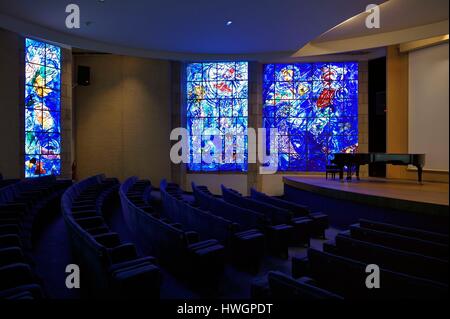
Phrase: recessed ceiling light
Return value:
(229, 22)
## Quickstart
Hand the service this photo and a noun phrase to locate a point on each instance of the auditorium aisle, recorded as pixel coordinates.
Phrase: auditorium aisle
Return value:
(51, 253)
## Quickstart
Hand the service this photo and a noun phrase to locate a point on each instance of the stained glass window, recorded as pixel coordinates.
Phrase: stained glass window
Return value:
(217, 104)
(315, 109)
(42, 109)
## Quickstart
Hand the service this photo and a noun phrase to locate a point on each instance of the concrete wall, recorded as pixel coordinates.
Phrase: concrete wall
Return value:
(123, 118)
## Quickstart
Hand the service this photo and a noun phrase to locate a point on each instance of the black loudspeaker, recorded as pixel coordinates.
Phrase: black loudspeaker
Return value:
(84, 75)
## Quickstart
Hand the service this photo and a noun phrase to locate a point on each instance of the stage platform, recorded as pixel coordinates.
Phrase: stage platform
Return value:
(384, 199)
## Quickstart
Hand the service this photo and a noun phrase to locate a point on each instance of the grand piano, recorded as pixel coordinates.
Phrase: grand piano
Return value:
(354, 160)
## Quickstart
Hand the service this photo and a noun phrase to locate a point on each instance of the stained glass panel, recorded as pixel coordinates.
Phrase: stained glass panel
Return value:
(217, 102)
(314, 106)
(42, 109)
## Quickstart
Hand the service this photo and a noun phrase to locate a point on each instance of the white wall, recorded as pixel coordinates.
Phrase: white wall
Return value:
(429, 105)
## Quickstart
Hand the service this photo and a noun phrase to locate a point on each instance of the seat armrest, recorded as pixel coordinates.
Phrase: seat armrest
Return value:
(11, 255)
(15, 275)
(9, 229)
(300, 267)
(109, 240)
(17, 207)
(90, 222)
(9, 241)
(177, 225)
(307, 280)
(122, 253)
(191, 237)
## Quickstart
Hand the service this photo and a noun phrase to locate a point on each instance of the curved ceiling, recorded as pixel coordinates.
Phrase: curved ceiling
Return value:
(394, 15)
(400, 21)
(182, 28)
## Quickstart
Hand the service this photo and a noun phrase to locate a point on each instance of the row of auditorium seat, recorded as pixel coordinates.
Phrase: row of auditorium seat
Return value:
(277, 235)
(177, 247)
(413, 264)
(284, 223)
(110, 267)
(244, 247)
(318, 222)
(6, 182)
(21, 203)
(305, 224)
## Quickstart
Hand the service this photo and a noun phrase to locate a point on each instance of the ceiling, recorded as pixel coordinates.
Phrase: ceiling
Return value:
(394, 15)
(400, 21)
(182, 28)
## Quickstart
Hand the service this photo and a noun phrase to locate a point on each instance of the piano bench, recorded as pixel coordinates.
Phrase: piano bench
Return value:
(332, 170)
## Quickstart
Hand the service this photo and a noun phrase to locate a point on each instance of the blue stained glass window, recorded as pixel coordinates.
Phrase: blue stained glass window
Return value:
(314, 106)
(217, 104)
(42, 109)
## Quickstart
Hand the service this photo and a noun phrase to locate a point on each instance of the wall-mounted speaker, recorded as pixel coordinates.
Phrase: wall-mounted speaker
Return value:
(84, 75)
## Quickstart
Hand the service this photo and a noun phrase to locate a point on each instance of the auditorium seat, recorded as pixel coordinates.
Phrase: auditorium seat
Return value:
(6, 182)
(319, 221)
(401, 242)
(176, 246)
(21, 205)
(405, 231)
(277, 236)
(114, 268)
(277, 285)
(245, 247)
(347, 277)
(389, 258)
(298, 230)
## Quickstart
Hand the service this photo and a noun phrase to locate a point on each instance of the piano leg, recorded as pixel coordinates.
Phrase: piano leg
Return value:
(341, 173)
(357, 172)
(419, 173)
(349, 172)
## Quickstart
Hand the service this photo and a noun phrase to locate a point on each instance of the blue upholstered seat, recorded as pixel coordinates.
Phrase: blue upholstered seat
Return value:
(176, 245)
(277, 285)
(347, 277)
(114, 268)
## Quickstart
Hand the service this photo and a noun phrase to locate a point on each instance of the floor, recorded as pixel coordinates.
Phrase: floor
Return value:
(51, 254)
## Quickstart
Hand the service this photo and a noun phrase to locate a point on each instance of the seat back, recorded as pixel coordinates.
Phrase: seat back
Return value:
(275, 214)
(87, 250)
(246, 218)
(155, 236)
(296, 209)
(347, 277)
(419, 246)
(405, 231)
(283, 286)
(392, 259)
(204, 223)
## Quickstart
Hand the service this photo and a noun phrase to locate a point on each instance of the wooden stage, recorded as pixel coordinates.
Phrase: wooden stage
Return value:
(399, 195)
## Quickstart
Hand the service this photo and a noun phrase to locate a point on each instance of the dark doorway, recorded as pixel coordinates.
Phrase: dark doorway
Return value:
(377, 113)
